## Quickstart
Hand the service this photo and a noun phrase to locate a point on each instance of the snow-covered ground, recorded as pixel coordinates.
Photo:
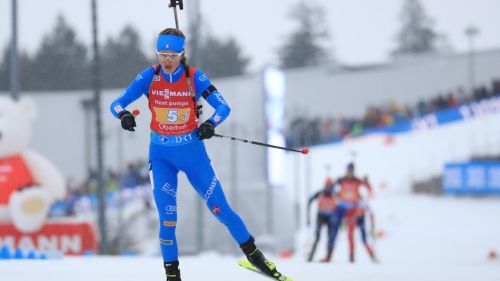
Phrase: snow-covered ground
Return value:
(425, 238)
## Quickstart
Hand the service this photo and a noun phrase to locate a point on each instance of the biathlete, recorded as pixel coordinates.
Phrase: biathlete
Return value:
(353, 208)
(326, 217)
(173, 89)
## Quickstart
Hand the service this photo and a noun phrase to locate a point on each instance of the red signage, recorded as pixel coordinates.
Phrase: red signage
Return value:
(68, 238)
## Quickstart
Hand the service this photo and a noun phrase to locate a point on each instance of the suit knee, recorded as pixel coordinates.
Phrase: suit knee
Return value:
(223, 214)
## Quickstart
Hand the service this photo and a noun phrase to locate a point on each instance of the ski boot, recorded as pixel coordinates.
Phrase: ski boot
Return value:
(325, 260)
(351, 258)
(328, 256)
(172, 271)
(257, 259)
(374, 258)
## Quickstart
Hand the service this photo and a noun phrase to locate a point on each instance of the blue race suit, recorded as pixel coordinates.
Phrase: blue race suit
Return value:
(169, 154)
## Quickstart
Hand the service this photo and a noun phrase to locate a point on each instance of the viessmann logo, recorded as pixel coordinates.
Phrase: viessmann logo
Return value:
(179, 94)
(162, 93)
(166, 94)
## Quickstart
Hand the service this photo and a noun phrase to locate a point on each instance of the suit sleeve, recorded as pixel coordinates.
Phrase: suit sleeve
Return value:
(312, 198)
(205, 89)
(368, 186)
(138, 87)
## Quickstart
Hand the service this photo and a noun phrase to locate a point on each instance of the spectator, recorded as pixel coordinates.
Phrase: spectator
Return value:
(357, 129)
(422, 108)
(327, 128)
(496, 87)
(130, 178)
(111, 181)
(452, 101)
(481, 93)
(441, 102)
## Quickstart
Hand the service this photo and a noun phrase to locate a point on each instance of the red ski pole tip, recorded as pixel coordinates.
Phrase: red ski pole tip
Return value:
(305, 150)
(136, 112)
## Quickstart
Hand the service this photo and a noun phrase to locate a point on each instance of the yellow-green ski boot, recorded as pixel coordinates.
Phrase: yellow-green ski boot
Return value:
(258, 263)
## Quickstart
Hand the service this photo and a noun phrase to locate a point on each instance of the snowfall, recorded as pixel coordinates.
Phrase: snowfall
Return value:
(420, 238)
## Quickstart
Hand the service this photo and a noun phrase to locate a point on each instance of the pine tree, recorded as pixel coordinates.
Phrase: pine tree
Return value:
(305, 46)
(122, 58)
(24, 65)
(417, 35)
(61, 62)
(222, 58)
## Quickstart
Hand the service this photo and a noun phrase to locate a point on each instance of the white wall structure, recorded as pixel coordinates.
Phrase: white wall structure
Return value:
(326, 91)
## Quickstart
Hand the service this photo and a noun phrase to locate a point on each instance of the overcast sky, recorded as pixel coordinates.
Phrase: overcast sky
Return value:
(362, 30)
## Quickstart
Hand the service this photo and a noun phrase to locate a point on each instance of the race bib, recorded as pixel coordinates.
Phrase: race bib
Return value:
(172, 115)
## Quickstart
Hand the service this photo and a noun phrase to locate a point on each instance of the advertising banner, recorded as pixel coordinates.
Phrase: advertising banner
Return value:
(68, 238)
(472, 178)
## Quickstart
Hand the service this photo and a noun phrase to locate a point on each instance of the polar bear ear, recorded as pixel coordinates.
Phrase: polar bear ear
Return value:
(29, 108)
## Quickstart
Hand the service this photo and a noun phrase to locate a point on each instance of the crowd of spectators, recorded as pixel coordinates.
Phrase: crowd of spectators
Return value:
(134, 175)
(304, 131)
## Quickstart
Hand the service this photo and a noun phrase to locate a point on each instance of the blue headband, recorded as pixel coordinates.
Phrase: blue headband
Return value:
(170, 43)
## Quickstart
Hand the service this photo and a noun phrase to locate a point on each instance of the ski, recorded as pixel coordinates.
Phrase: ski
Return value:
(249, 266)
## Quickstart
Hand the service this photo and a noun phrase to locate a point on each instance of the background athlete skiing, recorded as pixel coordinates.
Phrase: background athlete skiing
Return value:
(326, 216)
(352, 207)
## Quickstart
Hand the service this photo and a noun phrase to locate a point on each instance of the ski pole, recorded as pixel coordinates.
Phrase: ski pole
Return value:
(173, 4)
(303, 150)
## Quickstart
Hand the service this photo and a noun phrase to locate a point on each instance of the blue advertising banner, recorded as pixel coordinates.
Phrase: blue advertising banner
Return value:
(475, 177)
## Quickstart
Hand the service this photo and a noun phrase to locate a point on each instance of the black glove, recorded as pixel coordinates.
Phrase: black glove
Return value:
(206, 130)
(128, 120)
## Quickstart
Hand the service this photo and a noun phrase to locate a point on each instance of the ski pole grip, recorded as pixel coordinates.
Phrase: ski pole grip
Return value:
(175, 3)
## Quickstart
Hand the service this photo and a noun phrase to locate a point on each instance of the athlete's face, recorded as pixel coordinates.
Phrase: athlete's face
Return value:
(169, 60)
(350, 173)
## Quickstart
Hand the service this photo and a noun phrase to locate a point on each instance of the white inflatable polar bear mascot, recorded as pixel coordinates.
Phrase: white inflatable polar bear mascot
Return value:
(29, 183)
